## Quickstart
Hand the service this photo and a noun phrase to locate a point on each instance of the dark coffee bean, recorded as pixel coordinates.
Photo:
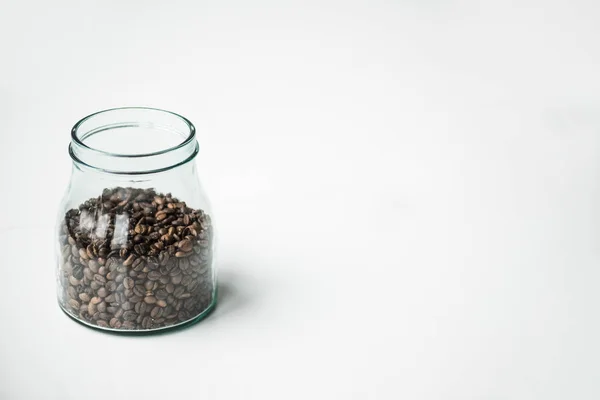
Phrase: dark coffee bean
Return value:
(128, 292)
(129, 315)
(179, 292)
(156, 312)
(110, 298)
(111, 309)
(185, 246)
(102, 292)
(119, 278)
(127, 306)
(102, 271)
(185, 296)
(140, 308)
(119, 313)
(149, 285)
(100, 279)
(176, 280)
(102, 307)
(88, 273)
(170, 288)
(154, 275)
(135, 299)
(111, 286)
(129, 260)
(161, 294)
(171, 299)
(139, 290)
(128, 283)
(146, 323)
(186, 280)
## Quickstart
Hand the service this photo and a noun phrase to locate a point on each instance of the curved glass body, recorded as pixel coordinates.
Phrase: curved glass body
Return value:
(135, 238)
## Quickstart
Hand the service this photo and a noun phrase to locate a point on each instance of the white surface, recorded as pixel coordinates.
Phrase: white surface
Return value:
(407, 195)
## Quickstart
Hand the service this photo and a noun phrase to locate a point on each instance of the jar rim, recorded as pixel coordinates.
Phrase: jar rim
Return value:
(75, 138)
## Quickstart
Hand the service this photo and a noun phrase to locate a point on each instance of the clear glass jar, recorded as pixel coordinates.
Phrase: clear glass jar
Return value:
(135, 241)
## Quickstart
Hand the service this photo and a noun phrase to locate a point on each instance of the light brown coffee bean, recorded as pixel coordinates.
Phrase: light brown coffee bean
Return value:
(150, 299)
(102, 292)
(161, 303)
(96, 300)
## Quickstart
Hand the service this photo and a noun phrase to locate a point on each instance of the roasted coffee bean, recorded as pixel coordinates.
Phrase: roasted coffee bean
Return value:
(176, 280)
(129, 315)
(179, 292)
(115, 323)
(102, 323)
(156, 312)
(154, 275)
(155, 269)
(161, 303)
(111, 286)
(135, 298)
(74, 304)
(84, 297)
(72, 292)
(161, 294)
(140, 308)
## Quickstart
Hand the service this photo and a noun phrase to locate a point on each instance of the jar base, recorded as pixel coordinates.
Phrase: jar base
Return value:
(133, 332)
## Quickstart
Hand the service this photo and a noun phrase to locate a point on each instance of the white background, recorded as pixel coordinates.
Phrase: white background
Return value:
(407, 194)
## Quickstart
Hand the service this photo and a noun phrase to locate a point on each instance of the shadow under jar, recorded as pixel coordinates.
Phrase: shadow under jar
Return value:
(134, 239)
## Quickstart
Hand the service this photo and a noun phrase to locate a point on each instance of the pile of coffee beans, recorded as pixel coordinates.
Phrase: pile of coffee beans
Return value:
(134, 259)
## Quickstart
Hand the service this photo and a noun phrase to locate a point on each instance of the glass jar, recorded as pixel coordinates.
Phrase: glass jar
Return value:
(135, 241)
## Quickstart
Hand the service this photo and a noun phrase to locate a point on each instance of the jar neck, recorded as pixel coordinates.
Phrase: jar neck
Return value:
(132, 141)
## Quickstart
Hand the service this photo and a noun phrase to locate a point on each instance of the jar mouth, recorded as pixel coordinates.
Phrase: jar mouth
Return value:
(133, 140)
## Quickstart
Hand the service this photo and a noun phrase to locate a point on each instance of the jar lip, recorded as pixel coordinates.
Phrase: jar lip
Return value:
(75, 138)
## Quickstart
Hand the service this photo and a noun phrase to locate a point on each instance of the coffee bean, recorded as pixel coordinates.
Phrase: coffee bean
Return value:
(161, 294)
(161, 258)
(111, 286)
(178, 292)
(161, 303)
(102, 323)
(84, 297)
(72, 292)
(115, 323)
(128, 325)
(176, 280)
(154, 275)
(129, 315)
(135, 298)
(74, 304)
(156, 312)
